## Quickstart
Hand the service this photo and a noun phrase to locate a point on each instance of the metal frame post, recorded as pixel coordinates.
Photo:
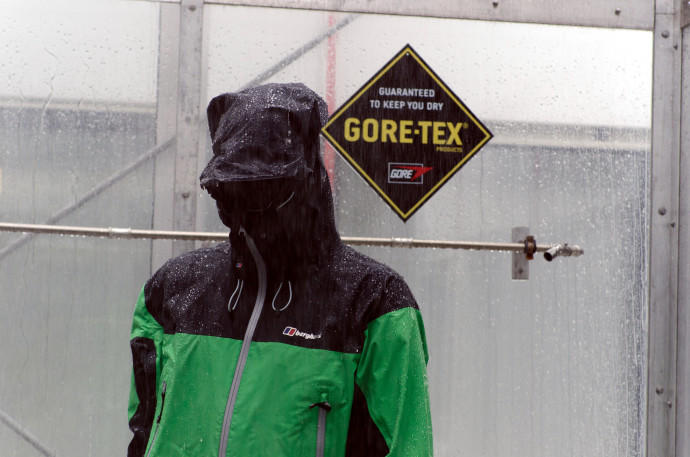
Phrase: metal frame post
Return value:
(188, 108)
(166, 126)
(683, 367)
(663, 263)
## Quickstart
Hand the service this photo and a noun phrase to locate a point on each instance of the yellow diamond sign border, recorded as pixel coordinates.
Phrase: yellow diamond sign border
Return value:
(406, 50)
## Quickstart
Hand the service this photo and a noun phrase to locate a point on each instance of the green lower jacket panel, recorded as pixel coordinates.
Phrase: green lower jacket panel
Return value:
(198, 371)
(392, 376)
(273, 414)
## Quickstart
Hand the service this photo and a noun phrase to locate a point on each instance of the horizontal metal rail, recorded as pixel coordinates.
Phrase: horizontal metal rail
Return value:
(628, 14)
(129, 233)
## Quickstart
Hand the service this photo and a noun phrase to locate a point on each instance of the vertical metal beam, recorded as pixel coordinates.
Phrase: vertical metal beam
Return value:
(683, 367)
(166, 126)
(520, 264)
(663, 267)
(188, 108)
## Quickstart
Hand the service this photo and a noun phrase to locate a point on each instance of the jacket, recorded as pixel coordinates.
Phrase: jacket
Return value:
(279, 342)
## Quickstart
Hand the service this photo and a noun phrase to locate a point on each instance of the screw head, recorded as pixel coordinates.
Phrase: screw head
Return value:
(665, 34)
(618, 11)
(662, 211)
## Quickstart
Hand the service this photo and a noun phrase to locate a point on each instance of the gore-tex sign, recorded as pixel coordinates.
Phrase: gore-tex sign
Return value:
(406, 132)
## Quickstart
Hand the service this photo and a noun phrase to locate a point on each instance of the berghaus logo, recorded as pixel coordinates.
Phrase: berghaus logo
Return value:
(292, 331)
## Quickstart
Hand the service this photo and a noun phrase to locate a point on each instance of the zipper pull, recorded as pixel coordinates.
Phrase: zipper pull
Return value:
(323, 405)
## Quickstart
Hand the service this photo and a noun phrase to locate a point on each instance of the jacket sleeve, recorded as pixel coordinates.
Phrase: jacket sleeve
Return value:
(392, 376)
(145, 343)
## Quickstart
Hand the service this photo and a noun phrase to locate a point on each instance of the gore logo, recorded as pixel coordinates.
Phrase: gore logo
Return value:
(398, 173)
(407, 173)
(292, 331)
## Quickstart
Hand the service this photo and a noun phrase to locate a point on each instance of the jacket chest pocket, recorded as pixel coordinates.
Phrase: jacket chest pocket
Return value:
(323, 408)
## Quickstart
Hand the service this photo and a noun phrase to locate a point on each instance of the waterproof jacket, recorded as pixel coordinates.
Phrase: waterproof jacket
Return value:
(249, 348)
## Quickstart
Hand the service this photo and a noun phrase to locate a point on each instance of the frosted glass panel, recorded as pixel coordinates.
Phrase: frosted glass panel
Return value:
(554, 366)
(77, 105)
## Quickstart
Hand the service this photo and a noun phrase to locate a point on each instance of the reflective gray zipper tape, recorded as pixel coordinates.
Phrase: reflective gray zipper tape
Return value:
(158, 421)
(324, 408)
(244, 351)
(321, 433)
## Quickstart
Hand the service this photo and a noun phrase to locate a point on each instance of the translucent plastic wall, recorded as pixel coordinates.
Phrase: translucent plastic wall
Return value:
(77, 105)
(552, 366)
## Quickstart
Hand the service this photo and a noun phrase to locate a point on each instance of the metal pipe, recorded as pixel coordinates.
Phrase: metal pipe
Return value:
(559, 250)
(129, 233)
(28, 437)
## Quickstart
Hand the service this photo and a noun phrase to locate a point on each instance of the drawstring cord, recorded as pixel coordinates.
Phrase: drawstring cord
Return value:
(238, 292)
(273, 303)
(235, 297)
(285, 202)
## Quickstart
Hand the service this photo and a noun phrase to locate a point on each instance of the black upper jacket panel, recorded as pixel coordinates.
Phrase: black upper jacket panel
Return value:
(190, 294)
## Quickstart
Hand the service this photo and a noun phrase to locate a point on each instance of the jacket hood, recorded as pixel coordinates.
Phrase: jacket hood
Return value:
(263, 136)
(264, 132)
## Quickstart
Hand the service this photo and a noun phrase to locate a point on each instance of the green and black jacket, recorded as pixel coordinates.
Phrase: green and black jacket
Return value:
(237, 355)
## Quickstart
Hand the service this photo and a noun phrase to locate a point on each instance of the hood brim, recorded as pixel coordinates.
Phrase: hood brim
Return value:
(224, 169)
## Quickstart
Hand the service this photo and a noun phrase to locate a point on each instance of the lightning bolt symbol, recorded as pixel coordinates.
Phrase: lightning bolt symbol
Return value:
(418, 171)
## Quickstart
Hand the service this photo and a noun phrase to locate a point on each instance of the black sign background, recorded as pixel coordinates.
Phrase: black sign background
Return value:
(440, 137)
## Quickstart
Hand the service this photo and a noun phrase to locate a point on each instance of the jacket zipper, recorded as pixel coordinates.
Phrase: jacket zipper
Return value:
(158, 421)
(324, 408)
(244, 351)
